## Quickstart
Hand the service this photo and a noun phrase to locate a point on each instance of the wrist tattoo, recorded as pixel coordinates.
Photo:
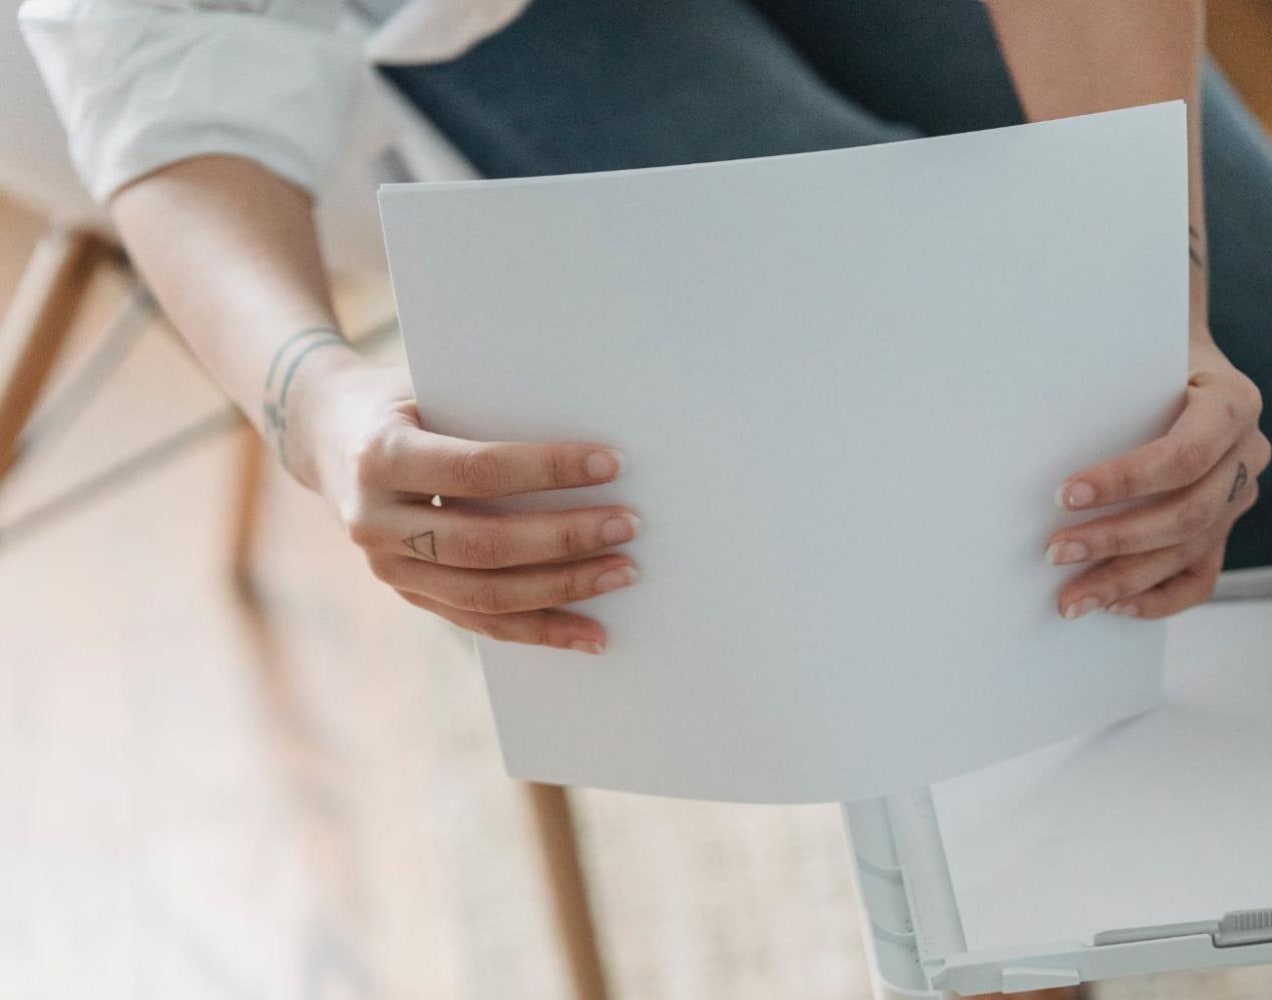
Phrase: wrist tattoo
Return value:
(278, 379)
(1243, 477)
(1195, 249)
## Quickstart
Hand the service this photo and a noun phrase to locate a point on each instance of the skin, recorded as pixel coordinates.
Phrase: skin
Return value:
(1163, 553)
(231, 252)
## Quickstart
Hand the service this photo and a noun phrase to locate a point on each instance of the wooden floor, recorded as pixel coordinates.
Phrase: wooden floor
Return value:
(202, 797)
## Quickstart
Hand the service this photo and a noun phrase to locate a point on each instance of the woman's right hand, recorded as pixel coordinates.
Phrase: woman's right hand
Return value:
(230, 249)
(357, 430)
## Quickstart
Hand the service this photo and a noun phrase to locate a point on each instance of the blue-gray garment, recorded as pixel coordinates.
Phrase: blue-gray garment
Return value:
(580, 85)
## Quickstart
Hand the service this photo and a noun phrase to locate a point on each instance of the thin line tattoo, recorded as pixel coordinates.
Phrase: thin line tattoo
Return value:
(423, 545)
(1194, 249)
(1243, 477)
(298, 346)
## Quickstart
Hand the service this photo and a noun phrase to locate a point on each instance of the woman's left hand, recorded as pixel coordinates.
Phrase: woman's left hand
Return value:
(1164, 555)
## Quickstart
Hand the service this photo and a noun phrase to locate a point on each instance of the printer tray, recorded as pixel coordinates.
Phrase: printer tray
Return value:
(1143, 849)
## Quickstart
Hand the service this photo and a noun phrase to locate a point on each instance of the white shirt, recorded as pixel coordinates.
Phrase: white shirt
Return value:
(140, 84)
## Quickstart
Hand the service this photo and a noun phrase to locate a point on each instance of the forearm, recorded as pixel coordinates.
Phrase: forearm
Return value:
(1081, 56)
(230, 250)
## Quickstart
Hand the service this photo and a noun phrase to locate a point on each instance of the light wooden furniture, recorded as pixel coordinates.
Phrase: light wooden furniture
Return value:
(245, 510)
(34, 168)
(37, 323)
(1239, 33)
(36, 326)
(33, 334)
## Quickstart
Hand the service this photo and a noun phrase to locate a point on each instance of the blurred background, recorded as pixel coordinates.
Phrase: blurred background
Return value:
(233, 765)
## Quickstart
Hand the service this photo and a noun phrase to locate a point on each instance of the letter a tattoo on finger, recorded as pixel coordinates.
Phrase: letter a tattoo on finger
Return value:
(1243, 477)
(423, 545)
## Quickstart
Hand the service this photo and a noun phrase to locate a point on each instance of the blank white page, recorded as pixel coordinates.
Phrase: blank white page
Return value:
(847, 385)
(1164, 819)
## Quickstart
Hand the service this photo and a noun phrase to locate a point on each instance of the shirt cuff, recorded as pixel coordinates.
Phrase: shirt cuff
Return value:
(139, 88)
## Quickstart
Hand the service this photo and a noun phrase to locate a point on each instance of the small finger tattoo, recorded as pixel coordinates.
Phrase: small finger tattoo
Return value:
(1243, 477)
(422, 545)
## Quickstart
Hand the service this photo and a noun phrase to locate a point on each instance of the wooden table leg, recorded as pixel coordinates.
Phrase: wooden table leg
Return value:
(37, 323)
(1240, 37)
(554, 826)
(248, 495)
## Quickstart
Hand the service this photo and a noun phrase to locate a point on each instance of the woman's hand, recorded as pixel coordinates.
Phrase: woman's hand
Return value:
(230, 249)
(1163, 555)
(502, 575)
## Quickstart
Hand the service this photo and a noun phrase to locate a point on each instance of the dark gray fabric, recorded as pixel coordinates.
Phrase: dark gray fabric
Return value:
(1238, 171)
(580, 85)
(378, 11)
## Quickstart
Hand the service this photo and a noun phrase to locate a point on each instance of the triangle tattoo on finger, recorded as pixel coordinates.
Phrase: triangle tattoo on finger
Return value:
(422, 545)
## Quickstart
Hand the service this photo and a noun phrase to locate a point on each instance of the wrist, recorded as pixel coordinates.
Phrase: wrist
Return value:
(1199, 336)
(344, 403)
(297, 400)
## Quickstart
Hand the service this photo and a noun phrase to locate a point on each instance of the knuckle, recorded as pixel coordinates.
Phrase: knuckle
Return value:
(1191, 518)
(481, 547)
(372, 460)
(1112, 544)
(1188, 460)
(556, 468)
(537, 632)
(570, 540)
(381, 567)
(486, 597)
(1264, 449)
(360, 528)
(479, 472)
(1249, 400)
(567, 588)
(1116, 586)
(559, 467)
(366, 463)
(1123, 480)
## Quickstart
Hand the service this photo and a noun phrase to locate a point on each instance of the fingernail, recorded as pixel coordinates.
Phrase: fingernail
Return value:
(604, 464)
(1083, 607)
(1077, 494)
(620, 529)
(587, 646)
(615, 578)
(1064, 553)
(1127, 610)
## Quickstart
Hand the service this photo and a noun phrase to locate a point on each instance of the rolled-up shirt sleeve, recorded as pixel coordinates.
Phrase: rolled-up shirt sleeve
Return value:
(141, 84)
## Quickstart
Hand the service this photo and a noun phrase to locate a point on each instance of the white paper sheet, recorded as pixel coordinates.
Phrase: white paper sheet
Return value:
(846, 384)
(1164, 819)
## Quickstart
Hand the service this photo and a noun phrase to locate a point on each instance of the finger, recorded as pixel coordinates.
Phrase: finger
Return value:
(559, 629)
(1120, 579)
(473, 540)
(502, 591)
(1222, 494)
(410, 460)
(1193, 585)
(1204, 432)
